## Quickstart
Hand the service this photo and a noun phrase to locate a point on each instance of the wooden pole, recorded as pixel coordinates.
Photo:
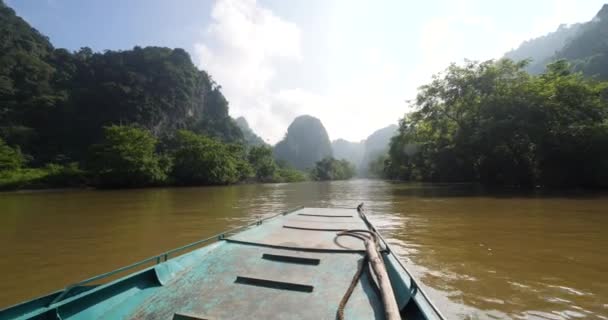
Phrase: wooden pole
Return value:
(391, 309)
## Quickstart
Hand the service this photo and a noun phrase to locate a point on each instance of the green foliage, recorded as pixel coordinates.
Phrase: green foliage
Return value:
(588, 50)
(215, 121)
(267, 170)
(25, 75)
(263, 163)
(48, 94)
(21, 178)
(289, 175)
(332, 169)
(127, 158)
(108, 108)
(541, 50)
(156, 88)
(10, 159)
(492, 122)
(305, 143)
(376, 167)
(584, 45)
(239, 152)
(27, 95)
(50, 176)
(70, 175)
(202, 160)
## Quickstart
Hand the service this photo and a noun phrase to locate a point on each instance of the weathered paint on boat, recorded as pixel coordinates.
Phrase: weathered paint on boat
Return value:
(290, 266)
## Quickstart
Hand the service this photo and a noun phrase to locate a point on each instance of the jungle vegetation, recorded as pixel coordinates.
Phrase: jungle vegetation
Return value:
(494, 123)
(131, 118)
(332, 169)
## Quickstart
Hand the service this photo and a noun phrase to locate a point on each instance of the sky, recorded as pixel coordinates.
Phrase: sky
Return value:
(354, 64)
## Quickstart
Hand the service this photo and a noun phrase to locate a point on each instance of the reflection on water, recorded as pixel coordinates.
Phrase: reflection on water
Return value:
(481, 255)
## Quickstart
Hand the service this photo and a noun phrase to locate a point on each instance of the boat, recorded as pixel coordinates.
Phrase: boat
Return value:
(305, 263)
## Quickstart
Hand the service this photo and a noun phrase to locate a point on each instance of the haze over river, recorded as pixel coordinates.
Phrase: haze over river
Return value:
(480, 255)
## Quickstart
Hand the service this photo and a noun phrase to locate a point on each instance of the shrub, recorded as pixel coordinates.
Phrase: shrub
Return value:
(127, 158)
(332, 169)
(10, 158)
(202, 160)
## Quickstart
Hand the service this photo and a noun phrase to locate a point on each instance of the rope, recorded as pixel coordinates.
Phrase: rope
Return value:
(356, 233)
(350, 289)
(374, 257)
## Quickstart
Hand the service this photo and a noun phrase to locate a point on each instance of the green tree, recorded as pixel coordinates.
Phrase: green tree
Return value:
(243, 167)
(263, 163)
(10, 158)
(289, 175)
(127, 158)
(376, 167)
(332, 169)
(492, 122)
(47, 94)
(202, 160)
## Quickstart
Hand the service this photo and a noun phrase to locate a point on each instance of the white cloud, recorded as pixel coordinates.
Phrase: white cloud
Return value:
(354, 108)
(240, 49)
(463, 34)
(561, 12)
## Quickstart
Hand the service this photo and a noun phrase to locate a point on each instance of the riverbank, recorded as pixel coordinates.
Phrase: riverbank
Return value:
(131, 157)
(61, 178)
(48, 177)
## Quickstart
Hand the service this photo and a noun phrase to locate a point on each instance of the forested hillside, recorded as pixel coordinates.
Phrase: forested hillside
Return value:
(584, 45)
(494, 123)
(540, 50)
(131, 118)
(588, 51)
(54, 103)
(305, 143)
(250, 137)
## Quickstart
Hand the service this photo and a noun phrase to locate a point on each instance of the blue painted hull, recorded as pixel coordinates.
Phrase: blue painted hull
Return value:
(291, 266)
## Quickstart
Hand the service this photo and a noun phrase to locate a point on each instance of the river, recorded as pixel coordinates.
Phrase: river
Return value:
(480, 255)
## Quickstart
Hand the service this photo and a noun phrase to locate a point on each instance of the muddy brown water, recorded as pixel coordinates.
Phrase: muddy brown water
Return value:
(479, 254)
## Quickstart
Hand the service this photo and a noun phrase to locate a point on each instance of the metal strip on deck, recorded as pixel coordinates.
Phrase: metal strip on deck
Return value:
(290, 259)
(313, 229)
(324, 215)
(274, 284)
(302, 224)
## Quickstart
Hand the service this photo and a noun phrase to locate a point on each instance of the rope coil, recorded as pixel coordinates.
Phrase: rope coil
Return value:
(374, 258)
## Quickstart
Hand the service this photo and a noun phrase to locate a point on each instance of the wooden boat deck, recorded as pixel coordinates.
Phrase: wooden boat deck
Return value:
(289, 267)
(249, 277)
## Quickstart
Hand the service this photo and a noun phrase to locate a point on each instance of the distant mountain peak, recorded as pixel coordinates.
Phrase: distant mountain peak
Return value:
(603, 13)
(305, 143)
(351, 151)
(251, 138)
(364, 152)
(305, 117)
(242, 122)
